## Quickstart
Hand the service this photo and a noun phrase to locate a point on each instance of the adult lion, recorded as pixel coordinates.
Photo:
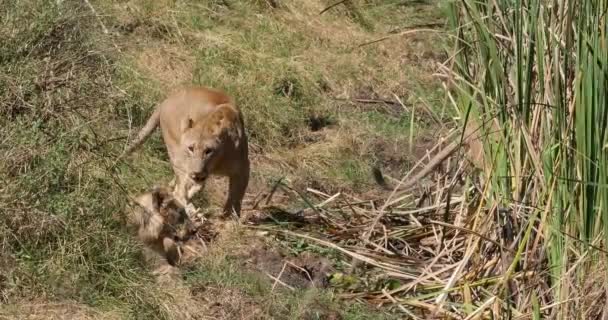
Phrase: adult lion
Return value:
(204, 133)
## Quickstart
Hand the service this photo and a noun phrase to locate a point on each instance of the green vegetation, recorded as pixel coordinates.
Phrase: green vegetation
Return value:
(538, 70)
(71, 95)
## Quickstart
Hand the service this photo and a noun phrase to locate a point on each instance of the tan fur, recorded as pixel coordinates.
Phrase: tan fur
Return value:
(161, 222)
(472, 141)
(204, 133)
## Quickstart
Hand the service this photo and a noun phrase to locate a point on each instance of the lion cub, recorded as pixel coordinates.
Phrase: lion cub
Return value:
(161, 223)
(204, 133)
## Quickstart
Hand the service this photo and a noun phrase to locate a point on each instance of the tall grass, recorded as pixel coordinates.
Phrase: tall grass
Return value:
(539, 71)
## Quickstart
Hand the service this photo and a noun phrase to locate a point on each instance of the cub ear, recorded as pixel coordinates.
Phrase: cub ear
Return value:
(226, 118)
(187, 124)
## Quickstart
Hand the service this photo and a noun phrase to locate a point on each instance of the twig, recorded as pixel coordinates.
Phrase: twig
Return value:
(354, 255)
(273, 190)
(369, 101)
(317, 192)
(481, 308)
(432, 308)
(331, 6)
(257, 199)
(405, 182)
(400, 102)
(418, 26)
(496, 243)
(378, 247)
(330, 199)
(401, 307)
(303, 270)
(280, 282)
(421, 279)
(379, 215)
(455, 275)
(397, 34)
(547, 307)
(279, 277)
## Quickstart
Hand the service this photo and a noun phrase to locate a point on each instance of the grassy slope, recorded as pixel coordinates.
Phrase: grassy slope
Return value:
(70, 93)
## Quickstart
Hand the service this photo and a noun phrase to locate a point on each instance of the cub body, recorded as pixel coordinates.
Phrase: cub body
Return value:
(161, 222)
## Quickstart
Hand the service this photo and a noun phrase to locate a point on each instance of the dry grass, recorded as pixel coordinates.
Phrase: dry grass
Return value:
(70, 93)
(54, 311)
(412, 250)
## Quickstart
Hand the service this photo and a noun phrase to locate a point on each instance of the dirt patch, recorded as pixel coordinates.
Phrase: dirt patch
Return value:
(389, 154)
(212, 241)
(391, 157)
(274, 214)
(223, 303)
(253, 254)
(303, 271)
(52, 311)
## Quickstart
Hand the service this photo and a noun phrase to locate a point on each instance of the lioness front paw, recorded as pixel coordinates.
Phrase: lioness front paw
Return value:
(195, 214)
(191, 210)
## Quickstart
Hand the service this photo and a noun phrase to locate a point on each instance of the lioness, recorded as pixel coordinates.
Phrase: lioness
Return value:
(204, 133)
(161, 222)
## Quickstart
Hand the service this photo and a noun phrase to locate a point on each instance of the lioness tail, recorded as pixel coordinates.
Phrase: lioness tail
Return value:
(145, 132)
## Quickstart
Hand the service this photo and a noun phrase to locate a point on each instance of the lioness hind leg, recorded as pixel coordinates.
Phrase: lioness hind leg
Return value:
(236, 191)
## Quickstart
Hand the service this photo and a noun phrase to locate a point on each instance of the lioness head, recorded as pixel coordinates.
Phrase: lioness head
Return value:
(204, 142)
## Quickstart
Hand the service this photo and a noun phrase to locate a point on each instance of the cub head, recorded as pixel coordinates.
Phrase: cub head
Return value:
(205, 141)
(162, 216)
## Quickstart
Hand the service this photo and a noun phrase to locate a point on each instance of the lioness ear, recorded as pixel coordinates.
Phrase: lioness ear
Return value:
(226, 119)
(187, 124)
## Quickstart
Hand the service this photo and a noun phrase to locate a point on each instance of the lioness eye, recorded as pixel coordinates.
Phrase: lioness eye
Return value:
(191, 148)
(208, 151)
